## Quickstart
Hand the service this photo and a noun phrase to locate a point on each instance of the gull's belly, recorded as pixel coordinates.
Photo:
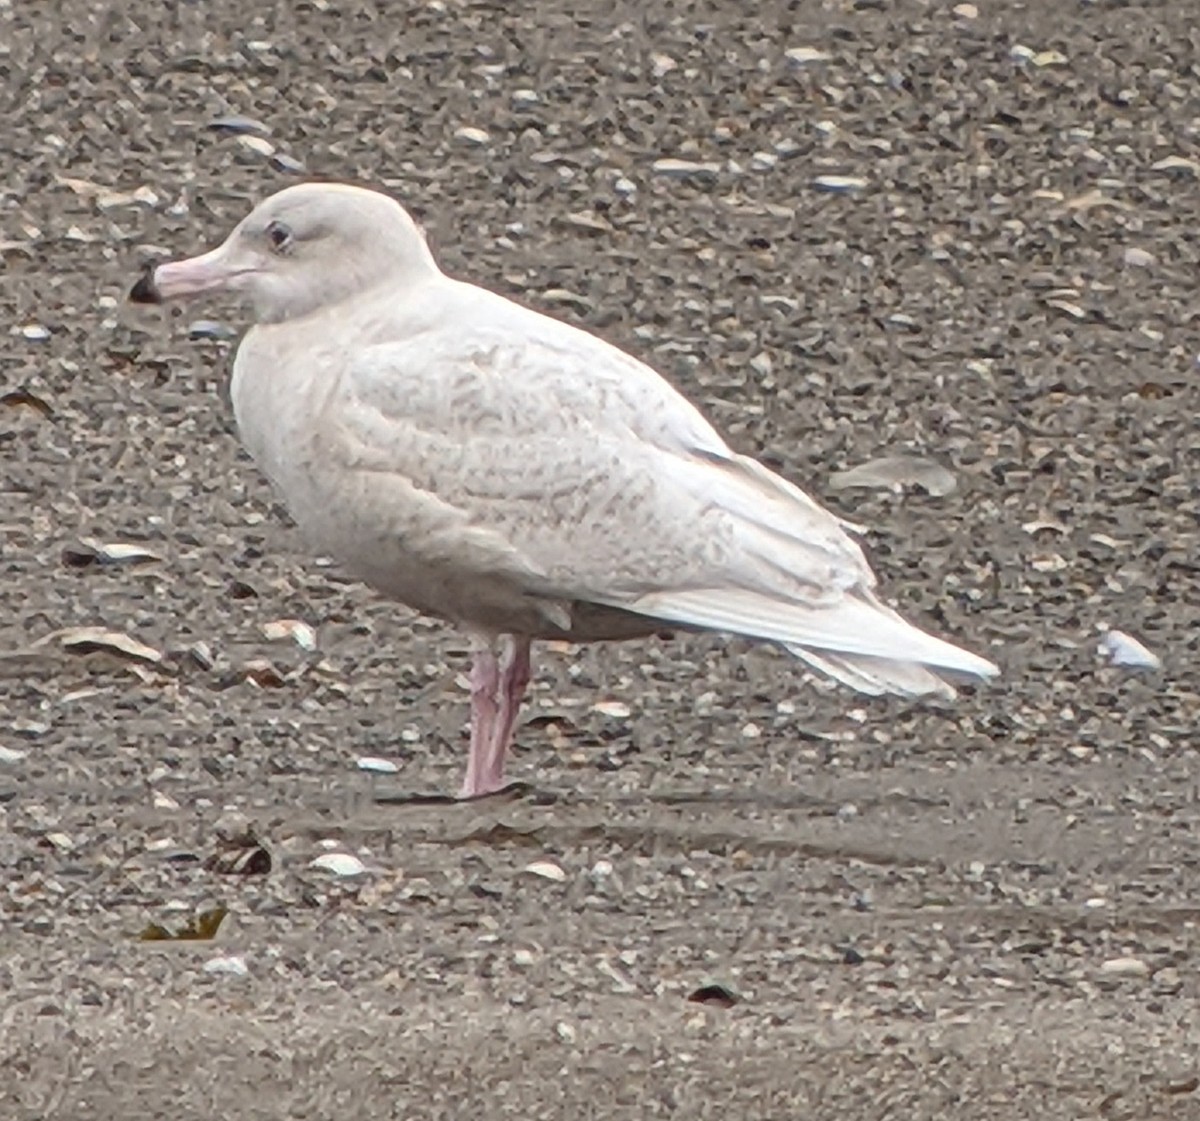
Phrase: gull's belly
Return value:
(340, 515)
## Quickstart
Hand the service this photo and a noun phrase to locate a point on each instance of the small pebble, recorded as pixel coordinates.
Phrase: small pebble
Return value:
(1139, 258)
(35, 332)
(231, 965)
(1125, 967)
(662, 64)
(800, 57)
(297, 630)
(1049, 58)
(476, 137)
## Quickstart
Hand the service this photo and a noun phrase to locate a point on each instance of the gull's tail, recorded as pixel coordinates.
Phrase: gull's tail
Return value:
(856, 640)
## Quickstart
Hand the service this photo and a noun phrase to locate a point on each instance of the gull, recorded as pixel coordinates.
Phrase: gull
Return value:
(517, 476)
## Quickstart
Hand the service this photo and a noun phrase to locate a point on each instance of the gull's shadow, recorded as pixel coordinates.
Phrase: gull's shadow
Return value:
(513, 792)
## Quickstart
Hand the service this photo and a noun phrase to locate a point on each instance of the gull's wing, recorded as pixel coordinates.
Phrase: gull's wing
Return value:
(547, 454)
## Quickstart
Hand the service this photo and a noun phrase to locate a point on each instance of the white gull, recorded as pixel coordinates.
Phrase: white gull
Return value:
(486, 464)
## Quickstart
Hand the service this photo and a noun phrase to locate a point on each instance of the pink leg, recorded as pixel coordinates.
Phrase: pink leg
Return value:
(485, 682)
(509, 678)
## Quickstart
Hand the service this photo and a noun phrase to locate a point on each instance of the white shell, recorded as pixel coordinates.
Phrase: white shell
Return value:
(1124, 650)
(839, 184)
(339, 864)
(298, 631)
(232, 965)
(617, 709)
(547, 869)
(376, 765)
(1125, 967)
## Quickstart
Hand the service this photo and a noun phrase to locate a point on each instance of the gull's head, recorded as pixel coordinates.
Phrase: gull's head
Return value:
(308, 247)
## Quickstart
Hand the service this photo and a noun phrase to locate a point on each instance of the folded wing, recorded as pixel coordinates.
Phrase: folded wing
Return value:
(596, 482)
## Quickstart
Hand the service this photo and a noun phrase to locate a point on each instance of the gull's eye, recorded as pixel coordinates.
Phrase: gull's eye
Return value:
(279, 234)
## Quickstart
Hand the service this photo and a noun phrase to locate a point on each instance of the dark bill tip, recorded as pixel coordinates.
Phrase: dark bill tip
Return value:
(145, 291)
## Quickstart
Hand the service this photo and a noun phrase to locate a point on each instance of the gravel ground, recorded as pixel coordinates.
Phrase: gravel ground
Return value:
(988, 909)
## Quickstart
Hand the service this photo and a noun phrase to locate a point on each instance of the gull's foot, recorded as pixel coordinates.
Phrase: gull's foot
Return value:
(510, 792)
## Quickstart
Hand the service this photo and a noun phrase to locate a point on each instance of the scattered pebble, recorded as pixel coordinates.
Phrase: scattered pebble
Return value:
(1125, 967)
(11, 755)
(476, 137)
(800, 57)
(1140, 258)
(662, 64)
(298, 631)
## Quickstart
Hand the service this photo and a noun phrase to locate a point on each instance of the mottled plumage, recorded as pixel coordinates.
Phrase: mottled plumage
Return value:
(495, 467)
